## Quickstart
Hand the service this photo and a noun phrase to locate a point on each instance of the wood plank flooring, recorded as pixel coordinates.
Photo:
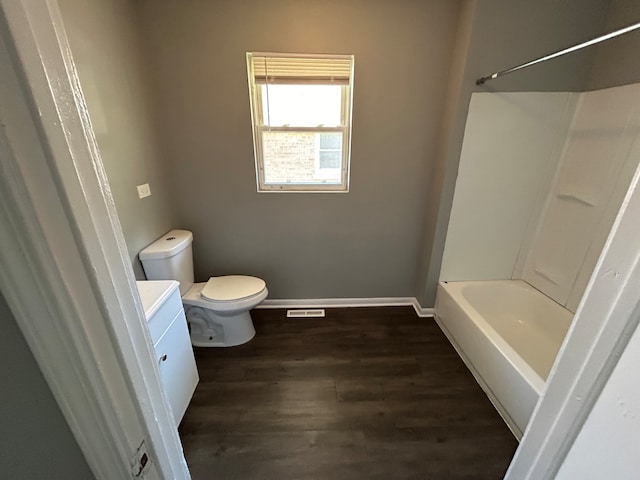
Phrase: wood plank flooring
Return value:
(365, 393)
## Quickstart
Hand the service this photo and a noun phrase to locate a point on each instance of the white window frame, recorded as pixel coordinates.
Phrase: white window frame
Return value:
(257, 115)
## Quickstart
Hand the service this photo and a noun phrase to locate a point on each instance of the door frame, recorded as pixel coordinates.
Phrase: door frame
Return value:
(66, 275)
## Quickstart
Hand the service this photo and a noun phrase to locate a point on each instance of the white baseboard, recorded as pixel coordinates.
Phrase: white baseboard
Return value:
(422, 311)
(348, 302)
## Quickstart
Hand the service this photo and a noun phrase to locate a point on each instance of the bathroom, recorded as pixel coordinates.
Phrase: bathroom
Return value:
(344, 240)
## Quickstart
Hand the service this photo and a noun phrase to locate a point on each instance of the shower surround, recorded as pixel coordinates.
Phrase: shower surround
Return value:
(542, 177)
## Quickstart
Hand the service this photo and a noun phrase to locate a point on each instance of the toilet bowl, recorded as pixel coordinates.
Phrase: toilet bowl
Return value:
(217, 311)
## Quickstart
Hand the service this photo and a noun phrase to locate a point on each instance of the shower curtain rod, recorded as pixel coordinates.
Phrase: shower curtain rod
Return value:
(588, 43)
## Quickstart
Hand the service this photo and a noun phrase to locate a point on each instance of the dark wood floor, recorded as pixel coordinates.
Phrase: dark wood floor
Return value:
(365, 393)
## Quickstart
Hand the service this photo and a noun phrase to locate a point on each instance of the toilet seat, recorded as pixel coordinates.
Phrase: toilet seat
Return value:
(194, 297)
(232, 288)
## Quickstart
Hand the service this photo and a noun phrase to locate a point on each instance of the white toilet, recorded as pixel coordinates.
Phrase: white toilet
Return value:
(218, 310)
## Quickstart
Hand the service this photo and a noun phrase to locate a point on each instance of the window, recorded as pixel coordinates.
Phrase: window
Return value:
(301, 114)
(328, 155)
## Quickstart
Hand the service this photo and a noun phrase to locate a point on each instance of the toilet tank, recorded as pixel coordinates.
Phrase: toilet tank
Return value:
(170, 258)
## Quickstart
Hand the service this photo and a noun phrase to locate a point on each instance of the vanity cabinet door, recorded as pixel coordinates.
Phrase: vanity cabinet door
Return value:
(177, 366)
(161, 320)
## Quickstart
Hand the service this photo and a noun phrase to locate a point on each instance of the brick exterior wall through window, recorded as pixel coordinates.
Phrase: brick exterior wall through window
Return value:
(289, 156)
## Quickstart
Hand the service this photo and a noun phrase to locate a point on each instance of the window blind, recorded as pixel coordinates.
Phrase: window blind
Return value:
(290, 68)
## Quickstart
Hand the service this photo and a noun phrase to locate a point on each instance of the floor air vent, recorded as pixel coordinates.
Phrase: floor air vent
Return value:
(316, 312)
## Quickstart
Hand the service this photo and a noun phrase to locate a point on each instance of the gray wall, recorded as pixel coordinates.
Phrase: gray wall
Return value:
(501, 34)
(362, 244)
(35, 440)
(104, 42)
(416, 63)
(616, 61)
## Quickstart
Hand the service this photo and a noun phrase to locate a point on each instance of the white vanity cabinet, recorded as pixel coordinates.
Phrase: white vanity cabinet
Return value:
(174, 354)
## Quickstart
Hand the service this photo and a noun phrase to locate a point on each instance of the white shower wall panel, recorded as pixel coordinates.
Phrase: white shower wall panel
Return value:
(510, 153)
(600, 234)
(593, 176)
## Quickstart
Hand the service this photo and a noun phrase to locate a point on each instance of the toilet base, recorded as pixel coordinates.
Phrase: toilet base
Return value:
(221, 331)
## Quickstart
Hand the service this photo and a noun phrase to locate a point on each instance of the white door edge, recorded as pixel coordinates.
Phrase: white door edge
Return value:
(66, 274)
(605, 320)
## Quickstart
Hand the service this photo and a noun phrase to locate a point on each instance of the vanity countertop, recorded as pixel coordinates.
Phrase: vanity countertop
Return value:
(153, 293)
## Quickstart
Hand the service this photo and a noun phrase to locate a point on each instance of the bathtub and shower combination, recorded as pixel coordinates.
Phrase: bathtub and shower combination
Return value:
(533, 200)
(508, 334)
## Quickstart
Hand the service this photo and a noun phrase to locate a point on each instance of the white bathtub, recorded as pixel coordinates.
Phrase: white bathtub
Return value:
(508, 334)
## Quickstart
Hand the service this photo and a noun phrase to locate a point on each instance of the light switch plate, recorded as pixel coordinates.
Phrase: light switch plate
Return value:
(144, 190)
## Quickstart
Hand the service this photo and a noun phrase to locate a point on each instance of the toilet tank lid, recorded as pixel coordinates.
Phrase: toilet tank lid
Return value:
(169, 245)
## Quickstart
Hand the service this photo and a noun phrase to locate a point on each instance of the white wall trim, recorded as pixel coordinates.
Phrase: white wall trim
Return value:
(422, 311)
(66, 274)
(349, 303)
